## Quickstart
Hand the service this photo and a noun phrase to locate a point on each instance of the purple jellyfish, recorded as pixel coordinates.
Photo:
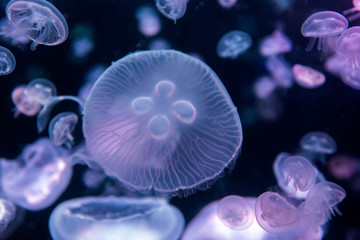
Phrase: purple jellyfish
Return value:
(307, 77)
(347, 46)
(95, 218)
(37, 177)
(275, 43)
(322, 25)
(38, 20)
(149, 22)
(61, 127)
(172, 9)
(227, 3)
(160, 126)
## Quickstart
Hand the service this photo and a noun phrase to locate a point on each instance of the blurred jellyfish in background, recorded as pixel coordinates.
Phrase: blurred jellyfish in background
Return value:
(37, 177)
(280, 71)
(227, 3)
(7, 61)
(136, 127)
(11, 34)
(116, 218)
(322, 25)
(307, 77)
(38, 20)
(93, 178)
(82, 41)
(159, 44)
(172, 9)
(276, 43)
(343, 166)
(353, 13)
(61, 128)
(148, 21)
(233, 43)
(264, 86)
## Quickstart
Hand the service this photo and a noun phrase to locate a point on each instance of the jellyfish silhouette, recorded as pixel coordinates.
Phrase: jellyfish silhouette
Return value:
(163, 121)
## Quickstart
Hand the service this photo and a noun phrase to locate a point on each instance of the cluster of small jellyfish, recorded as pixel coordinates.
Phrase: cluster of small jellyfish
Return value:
(175, 135)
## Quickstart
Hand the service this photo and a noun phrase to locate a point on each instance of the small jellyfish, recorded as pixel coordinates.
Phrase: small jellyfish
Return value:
(276, 43)
(7, 214)
(307, 77)
(38, 20)
(7, 61)
(23, 103)
(318, 142)
(295, 175)
(264, 87)
(141, 131)
(81, 47)
(280, 71)
(209, 225)
(235, 212)
(172, 9)
(233, 43)
(347, 46)
(275, 214)
(353, 13)
(321, 202)
(112, 218)
(159, 44)
(227, 3)
(343, 166)
(37, 177)
(61, 127)
(322, 25)
(149, 22)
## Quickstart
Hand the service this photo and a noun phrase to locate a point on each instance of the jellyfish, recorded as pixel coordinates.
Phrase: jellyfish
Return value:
(116, 218)
(7, 61)
(236, 212)
(149, 22)
(166, 123)
(209, 225)
(320, 203)
(61, 127)
(353, 13)
(335, 64)
(275, 214)
(343, 166)
(307, 77)
(280, 71)
(172, 9)
(323, 24)
(37, 177)
(7, 214)
(295, 175)
(318, 142)
(38, 20)
(227, 3)
(11, 34)
(350, 75)
(264, 87)
(276, 43)
(233, 43)
(347, 48)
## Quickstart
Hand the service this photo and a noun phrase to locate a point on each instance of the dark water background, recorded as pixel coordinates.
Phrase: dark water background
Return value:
(333, 108)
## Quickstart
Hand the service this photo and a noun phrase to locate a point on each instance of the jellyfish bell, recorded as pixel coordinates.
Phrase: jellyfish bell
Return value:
(7, 61)
(321, 25)
(160, 103)
(172, 9)
(114, 218)
(38, 20)
(61, 127)
(276, 43)
(37, 177)
(318, 142)
(227, 3)
(307, 77)
(233, 43)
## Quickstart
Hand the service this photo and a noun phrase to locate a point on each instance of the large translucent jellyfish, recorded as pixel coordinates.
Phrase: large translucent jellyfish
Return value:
(37, 177)
(172, 9)
(7, 61)
(295, 175)
(276, 43)
(38, 20)
(322, 25)
(275, 214)
(207, 225)
(346, 46)
(320, 204)
(161, 120)
(233, 43)
(318, 142)
(94, 218)
(307, 77)
(61, 127)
